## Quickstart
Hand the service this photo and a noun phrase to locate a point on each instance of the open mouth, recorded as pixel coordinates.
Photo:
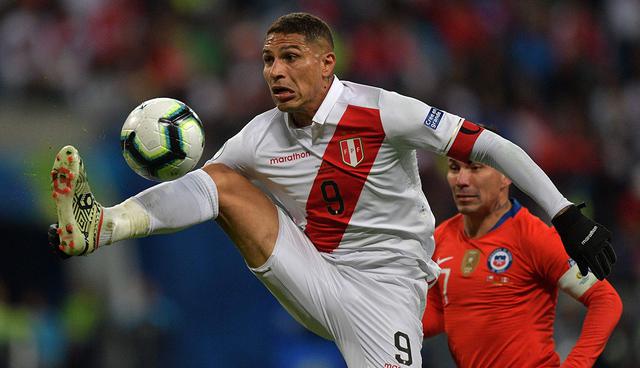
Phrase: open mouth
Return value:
(282, 94)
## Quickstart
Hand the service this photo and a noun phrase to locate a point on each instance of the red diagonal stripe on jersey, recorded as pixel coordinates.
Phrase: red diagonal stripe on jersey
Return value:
(337, 187)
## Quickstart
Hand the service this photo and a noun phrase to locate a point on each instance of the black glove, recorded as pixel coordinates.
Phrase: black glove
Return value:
(54, 242)
(586, 241)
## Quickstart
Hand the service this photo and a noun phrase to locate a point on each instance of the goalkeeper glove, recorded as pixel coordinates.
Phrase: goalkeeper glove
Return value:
(586, 241)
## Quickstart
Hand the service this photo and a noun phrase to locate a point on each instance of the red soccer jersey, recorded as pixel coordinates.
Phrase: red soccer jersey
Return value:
(498, 293)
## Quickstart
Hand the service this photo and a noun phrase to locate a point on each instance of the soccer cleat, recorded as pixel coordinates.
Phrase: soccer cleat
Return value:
(79, 215)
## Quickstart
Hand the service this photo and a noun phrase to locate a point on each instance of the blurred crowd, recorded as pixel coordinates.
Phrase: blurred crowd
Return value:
(559, 78)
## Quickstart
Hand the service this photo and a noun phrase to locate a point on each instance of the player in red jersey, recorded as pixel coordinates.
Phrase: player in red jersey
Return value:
(501, 268)
(321, 196)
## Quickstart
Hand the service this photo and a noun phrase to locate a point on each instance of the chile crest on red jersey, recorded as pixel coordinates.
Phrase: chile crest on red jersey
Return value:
(500, 260)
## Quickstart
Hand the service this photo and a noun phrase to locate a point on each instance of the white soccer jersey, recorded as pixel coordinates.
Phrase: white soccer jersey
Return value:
(350, 180)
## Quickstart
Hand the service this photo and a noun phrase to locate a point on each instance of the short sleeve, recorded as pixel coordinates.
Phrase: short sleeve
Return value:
(412, 124)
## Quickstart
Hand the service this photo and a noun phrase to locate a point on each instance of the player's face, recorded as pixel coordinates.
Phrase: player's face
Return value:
(298, 72)
(476, 188)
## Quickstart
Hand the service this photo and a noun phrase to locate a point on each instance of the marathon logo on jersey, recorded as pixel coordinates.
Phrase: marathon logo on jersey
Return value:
(352, 151)
(288, 158)
(433, 118)
(500, 260)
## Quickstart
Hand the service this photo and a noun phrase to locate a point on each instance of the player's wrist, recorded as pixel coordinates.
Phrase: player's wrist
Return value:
(567, 217)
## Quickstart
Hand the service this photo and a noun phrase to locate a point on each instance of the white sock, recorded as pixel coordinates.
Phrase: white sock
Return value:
(124, 221)
(163, 208)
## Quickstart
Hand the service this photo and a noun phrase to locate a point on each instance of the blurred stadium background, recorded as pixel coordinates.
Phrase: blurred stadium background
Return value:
(559, 78)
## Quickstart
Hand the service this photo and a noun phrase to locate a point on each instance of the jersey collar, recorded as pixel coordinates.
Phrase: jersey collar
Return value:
(515, 207)
(329, 101)
(325, 107)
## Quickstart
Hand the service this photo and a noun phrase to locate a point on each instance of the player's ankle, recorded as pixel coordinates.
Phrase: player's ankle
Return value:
(126, 220)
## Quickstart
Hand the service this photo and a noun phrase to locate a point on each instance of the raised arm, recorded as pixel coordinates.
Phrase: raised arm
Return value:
(586, 241)
(412, 124)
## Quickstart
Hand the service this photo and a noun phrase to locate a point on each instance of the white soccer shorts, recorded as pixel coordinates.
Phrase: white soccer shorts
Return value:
(374, 319)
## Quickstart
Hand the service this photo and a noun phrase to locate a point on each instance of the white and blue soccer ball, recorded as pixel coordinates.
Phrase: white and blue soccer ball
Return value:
(162, 139)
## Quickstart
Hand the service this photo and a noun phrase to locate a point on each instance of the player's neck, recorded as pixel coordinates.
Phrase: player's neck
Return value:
(304, 116)
(479, 224)
(301, 120)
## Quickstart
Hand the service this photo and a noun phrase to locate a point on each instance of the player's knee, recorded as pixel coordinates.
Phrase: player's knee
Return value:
(234, 190)
(222, 175)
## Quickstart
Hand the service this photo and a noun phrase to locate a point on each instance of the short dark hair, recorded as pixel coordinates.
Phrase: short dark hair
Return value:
(308, 25)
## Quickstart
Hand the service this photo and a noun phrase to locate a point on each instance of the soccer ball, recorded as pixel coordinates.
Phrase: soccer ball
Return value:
(162, 139)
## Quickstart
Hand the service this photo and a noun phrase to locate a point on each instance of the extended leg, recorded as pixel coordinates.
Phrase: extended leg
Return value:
(246, 214)
(216, 191)
(80, 217)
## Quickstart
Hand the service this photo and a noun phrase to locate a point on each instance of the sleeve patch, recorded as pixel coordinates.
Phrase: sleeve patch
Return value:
(463, 143)
(433, 118)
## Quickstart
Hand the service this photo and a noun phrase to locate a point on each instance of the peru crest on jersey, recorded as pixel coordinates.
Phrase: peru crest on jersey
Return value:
(352, 151)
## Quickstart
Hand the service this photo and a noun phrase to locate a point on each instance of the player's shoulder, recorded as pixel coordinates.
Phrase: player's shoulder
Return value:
(529, 222)
(260, 125)
(265, 119)
(362, 95)
(449, 227)
(359, 89)
(533, 232)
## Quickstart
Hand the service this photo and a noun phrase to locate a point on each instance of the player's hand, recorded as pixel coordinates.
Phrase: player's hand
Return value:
(586, 241)
(54, 242)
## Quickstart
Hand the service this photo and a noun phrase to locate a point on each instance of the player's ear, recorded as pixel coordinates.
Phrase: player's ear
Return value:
(505, 181)
(328, 63)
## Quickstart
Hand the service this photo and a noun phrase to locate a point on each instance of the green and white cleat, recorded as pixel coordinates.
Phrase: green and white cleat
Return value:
(79, 215)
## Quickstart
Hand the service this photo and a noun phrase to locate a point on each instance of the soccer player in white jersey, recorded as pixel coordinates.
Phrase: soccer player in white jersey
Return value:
(339, 231)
